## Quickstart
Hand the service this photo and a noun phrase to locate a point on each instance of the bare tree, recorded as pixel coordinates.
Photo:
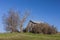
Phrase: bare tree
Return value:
(11, 21)
(23, 20)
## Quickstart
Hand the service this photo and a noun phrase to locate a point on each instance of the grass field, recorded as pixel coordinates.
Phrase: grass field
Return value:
(28, 36)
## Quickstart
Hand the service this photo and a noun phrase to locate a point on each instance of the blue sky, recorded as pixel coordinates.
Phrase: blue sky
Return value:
(40, 10)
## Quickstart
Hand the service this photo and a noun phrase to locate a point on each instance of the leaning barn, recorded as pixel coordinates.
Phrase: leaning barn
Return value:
(40, 28)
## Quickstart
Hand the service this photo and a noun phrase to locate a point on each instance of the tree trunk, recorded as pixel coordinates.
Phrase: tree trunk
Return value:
(21, 29)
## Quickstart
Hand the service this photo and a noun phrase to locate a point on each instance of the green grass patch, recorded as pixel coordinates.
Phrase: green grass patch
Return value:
(28, 36)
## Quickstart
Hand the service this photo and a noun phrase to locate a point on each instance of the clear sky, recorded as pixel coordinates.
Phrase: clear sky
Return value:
(40, 10)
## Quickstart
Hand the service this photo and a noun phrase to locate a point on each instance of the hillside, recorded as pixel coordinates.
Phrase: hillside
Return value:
(28, 36)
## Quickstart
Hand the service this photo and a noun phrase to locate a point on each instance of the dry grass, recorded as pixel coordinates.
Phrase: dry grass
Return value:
(28, 36)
